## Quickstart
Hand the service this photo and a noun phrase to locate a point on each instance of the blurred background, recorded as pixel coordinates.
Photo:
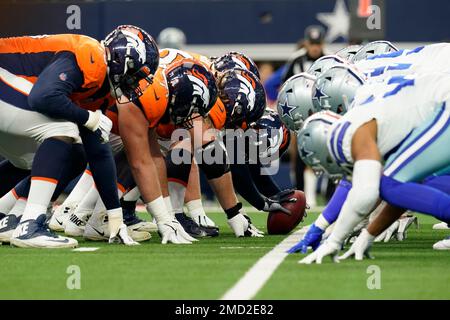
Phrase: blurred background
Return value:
(283, 36)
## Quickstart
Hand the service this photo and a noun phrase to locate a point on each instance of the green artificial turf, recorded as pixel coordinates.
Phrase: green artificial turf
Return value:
(208, 268)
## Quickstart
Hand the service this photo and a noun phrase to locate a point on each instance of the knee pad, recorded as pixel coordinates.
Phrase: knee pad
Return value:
(212, 159)
(178, 164)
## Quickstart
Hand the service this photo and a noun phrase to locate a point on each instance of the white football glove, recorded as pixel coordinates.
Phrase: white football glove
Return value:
(172, 231)
(326, 249)
(361, 247)
(387, 234)
(100, 124)
(243, 227)
(122, 236)
(203, 220)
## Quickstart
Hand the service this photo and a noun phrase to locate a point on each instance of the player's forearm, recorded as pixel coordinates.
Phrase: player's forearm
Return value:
(146, 176)
(103, 168)
(223, 188)
(361, 199)
(334, 206)
(388, 215)
(245, 185)
(50, 94)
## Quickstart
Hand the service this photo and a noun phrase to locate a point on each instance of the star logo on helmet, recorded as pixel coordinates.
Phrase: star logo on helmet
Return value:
(287, 109)
(319, 95)
(304, 154)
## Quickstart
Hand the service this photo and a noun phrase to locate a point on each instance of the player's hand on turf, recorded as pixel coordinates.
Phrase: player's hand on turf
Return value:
(122, 236)
(311, 239)
(243, 227)
(387, 234)
(328, 248)
(173, 232)
(252, 231)
(275, 202)
(361, 247)
(100, 124)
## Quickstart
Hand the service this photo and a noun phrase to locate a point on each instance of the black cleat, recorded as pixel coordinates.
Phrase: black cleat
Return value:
(190, 226)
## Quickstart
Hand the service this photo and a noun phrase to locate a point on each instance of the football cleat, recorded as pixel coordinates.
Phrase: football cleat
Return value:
(60, 216)
(7, 226)
(190, 226)
(133, 222)
(441, 226)
(97, 229)
(442, 245)
(35, 234)
(76, 223)
(210, 231)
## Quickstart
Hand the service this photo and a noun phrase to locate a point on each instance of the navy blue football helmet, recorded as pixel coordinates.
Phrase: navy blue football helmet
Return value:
(131, 55)
(272, 135)
(192, 90)
(233, 60)
(243, 96)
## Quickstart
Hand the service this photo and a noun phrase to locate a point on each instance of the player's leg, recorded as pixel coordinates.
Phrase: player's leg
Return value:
(14, 210)
(193, 200)
(11, 176)
(64, 211)
(177, 182)
(48, 161)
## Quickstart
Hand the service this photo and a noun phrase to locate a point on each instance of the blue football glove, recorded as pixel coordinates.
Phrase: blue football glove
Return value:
(311, 239)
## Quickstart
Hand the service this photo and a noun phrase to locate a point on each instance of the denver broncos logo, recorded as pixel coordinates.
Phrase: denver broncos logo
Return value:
(247, 86)
(199, 85)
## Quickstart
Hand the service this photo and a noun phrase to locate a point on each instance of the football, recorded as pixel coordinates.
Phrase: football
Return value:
(279, 222)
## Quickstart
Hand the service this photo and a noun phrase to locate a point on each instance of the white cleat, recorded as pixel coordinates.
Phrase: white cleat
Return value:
(441, 226)
(144, 226)
(76, 223)
(60, 216)
(442, 245)
(97, 229)
(35, 234)
(7, 226)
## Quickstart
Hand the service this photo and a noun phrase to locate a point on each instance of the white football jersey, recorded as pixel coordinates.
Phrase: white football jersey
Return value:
(430, 58)
(405, 103)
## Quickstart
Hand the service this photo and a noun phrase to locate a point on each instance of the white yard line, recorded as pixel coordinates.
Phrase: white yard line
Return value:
(255, 278)
(86, 249)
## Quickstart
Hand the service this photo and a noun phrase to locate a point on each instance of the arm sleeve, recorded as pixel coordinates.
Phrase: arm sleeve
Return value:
(266, 185)
(244, 185)
(50, 94)
(334, 206)
(102, 166)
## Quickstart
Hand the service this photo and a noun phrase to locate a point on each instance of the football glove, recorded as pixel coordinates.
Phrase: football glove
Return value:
(172, 231)
(361, 247)
(243, 227)
(100, 124)
(311, 239)
(121, 236)
(203, 220)
(328, 248)
(387, 234)
(275, 202)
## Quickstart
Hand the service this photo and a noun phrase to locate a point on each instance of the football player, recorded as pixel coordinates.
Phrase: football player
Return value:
(67, 77)
(370, 132)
